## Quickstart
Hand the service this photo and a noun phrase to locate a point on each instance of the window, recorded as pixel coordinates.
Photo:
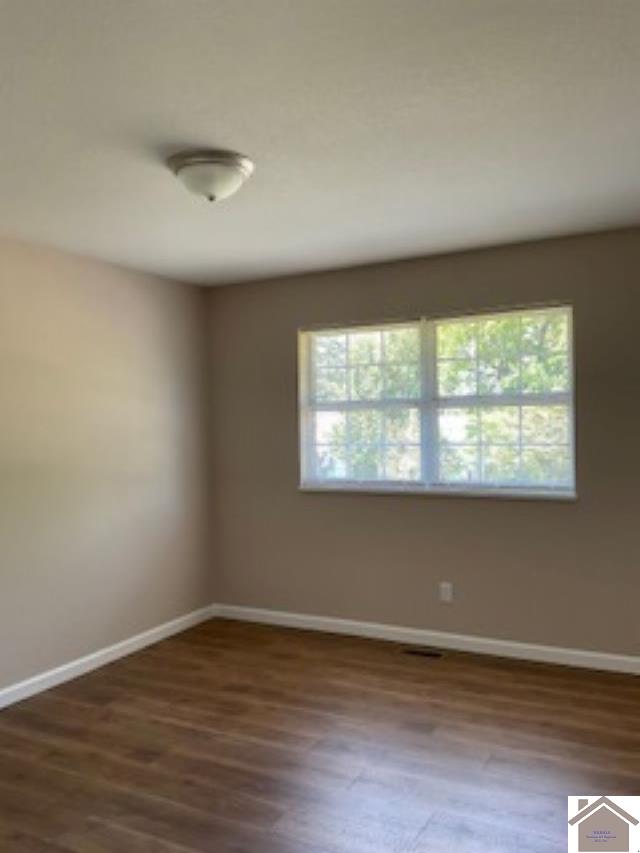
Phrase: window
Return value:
(476, 404)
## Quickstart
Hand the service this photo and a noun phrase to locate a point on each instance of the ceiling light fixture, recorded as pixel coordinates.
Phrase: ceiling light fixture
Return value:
(210, 173)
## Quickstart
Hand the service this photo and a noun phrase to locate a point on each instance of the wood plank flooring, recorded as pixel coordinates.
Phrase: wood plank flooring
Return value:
(240, 738)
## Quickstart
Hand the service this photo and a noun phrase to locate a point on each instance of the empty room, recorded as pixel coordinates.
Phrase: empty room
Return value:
(319, 426)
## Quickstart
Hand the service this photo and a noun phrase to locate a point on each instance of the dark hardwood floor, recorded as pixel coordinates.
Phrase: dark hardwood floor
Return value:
(239, 738)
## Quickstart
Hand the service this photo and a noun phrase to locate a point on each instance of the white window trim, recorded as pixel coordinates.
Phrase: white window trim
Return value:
(428, 404)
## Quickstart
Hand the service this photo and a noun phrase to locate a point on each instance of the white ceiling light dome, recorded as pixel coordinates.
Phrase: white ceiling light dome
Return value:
(211, 173)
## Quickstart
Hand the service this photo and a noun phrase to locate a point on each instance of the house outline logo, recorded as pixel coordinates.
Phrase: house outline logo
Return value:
(602, 826)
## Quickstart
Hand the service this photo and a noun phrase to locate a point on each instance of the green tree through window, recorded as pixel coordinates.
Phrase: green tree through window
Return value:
(473, 402)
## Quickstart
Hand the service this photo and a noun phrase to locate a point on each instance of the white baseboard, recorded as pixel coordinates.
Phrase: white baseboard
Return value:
(441, 639)
(66, 672)
(396, 633)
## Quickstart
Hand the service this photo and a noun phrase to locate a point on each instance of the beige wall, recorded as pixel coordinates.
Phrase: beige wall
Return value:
(105, 426)
(555, 573)
(103, 434)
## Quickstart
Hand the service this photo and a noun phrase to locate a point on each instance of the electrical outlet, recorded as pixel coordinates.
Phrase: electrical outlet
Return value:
(446, 592)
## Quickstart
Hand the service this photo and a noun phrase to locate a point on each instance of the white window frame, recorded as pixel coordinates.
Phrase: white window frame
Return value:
(428, 404)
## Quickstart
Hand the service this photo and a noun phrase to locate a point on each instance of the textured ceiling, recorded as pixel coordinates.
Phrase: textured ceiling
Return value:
(381, 129)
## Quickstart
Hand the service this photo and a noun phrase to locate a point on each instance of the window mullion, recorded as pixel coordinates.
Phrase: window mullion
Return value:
(376, 403)
(467, 401)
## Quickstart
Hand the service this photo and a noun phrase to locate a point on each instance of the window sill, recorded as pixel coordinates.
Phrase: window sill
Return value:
(440, 491)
